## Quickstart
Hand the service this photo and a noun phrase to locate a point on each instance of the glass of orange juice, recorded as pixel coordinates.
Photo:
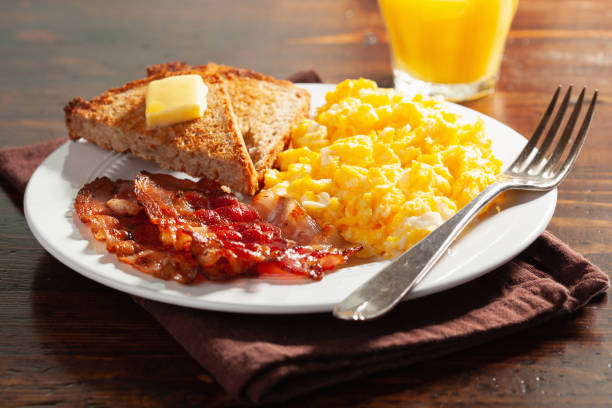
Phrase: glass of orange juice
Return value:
(451, 48)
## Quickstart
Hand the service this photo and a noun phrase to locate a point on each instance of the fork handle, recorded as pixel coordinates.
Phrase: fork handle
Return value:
(384, 290)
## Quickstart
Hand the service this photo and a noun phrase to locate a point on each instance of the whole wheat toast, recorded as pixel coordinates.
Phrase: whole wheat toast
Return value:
(267, 109)
(211, 146)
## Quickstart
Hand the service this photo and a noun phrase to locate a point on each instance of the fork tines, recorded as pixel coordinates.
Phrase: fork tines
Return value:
(535, 160)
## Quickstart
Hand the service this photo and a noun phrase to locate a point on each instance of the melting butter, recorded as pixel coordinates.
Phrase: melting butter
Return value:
(175, 99)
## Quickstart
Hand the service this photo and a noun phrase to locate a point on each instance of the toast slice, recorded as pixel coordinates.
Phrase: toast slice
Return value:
(267, 109)
(211, 146)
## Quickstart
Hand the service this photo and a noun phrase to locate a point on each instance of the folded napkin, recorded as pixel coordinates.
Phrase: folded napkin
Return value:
(263, 359)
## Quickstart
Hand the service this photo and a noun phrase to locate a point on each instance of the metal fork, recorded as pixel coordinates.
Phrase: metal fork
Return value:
(531, 170)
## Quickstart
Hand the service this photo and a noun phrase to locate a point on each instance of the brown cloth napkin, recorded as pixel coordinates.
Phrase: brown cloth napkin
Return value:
(263, 359)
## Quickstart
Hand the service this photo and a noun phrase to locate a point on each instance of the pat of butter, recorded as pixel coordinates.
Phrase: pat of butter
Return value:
(175, 99)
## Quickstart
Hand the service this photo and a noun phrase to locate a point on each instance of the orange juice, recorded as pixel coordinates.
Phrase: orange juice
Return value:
(448, 41)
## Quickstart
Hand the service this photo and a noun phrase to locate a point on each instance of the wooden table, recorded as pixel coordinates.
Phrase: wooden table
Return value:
(68, 341)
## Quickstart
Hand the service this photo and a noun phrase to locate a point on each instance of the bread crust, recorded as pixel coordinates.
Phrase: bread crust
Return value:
(211, 146)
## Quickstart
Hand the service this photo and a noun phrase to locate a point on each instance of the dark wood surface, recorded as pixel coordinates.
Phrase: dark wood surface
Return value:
(67, 341)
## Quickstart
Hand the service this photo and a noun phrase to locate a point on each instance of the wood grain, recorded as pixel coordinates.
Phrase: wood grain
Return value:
(67, 341)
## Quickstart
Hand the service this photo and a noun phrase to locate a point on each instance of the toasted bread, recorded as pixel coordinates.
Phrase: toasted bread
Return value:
(211, 146)
(267, 109)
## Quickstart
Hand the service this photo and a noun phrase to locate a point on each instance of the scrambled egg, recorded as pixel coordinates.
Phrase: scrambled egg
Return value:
(384, 169)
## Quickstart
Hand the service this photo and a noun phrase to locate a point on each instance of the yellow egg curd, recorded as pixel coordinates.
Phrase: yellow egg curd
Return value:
(384, 169)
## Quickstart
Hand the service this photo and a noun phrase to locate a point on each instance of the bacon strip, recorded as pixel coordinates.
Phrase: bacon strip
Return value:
(175, 229)
(289, 215)
(131, 236)
(226, 237)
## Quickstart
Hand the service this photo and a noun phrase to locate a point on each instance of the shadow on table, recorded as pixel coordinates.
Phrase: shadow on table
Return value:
(13, 194)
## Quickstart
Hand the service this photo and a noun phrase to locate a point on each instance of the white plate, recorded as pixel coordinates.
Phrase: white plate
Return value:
(48, 208)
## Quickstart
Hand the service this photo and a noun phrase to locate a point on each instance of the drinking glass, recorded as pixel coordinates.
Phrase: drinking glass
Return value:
(451, 48)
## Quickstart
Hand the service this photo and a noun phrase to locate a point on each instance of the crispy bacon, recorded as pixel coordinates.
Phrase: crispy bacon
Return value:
(132, 237)
(226, 237)
(288, 214)
(295, 222)
(175, 229)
